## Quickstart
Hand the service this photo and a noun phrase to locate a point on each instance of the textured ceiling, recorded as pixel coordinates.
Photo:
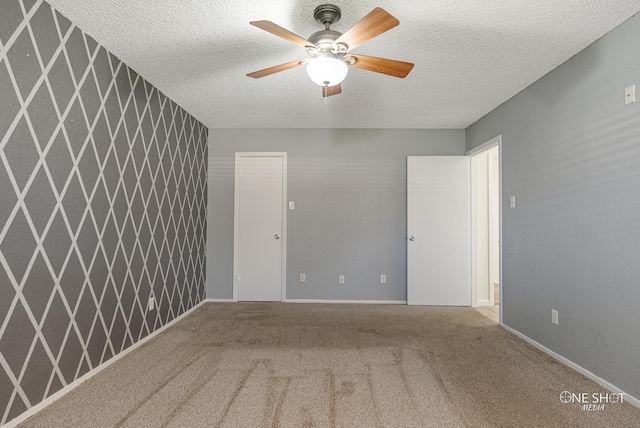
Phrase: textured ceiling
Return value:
(470, 56)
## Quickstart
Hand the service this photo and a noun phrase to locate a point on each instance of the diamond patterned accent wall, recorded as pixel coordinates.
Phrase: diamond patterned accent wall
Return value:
(103, 204)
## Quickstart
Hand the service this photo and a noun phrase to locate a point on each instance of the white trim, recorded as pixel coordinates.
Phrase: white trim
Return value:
(50, 400)
(236, 202)
(500, 268)
(371, 302)
(496, 141)
(627, 398)
(485, 146)
(484, 303)
(236, 198)
(491, 163)
(285, 209)
(473, 238)
(349, 302)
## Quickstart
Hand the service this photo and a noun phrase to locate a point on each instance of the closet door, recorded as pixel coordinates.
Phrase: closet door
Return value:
(260, 226)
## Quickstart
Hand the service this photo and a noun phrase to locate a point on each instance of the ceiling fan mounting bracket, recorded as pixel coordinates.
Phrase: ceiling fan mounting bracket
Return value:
(327, 14)
(351, 60)
(340, 47)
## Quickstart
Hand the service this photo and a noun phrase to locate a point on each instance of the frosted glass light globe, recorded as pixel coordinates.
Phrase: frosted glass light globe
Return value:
(327, 70)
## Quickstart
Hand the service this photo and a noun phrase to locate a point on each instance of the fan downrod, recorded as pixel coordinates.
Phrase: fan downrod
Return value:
(327, 14)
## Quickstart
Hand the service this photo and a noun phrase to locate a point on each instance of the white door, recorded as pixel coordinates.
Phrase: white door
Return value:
(438, 223)
(260, 192)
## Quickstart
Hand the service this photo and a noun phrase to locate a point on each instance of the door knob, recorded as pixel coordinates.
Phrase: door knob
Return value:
(277, 236)
(412, 238)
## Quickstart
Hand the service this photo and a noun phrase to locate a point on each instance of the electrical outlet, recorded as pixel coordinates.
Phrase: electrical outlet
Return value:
(152, 303)
(554, 316)
(383, 279)
(512, 202)
(340, 279)
(303, 277)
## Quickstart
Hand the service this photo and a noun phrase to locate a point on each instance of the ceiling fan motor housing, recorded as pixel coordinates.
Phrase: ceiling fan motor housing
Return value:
(324, 39)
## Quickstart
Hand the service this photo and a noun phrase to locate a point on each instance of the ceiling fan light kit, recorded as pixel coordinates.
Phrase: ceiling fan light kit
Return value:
(327, 70)
(330, 50)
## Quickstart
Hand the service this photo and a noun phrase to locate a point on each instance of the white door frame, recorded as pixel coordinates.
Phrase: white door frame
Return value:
(496, 141)
(494, 214)
(236, 207)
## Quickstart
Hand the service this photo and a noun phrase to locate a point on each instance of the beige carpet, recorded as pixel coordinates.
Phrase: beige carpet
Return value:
(299, 365)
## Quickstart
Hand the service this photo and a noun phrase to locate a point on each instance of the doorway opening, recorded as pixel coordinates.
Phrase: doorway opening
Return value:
(486, 254)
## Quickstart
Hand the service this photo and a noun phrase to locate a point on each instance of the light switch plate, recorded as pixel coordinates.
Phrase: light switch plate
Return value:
(512, 202)
(292, 205)
(630, 95)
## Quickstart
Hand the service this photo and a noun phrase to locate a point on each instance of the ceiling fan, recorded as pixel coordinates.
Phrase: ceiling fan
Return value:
(330, 51)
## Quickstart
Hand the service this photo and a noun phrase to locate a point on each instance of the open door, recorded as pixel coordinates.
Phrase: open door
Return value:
(439, 236)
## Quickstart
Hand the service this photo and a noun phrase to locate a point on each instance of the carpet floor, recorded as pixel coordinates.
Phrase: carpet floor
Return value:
(324, 365)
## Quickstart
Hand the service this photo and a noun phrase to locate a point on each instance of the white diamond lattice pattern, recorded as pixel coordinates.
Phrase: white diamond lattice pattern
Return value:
(103, 205)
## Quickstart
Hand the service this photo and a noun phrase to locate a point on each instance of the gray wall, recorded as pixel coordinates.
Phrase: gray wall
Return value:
(349, 187)
(571, 156)
(103, 190)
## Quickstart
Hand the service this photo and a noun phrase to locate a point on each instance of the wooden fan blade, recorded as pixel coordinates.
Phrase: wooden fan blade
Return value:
(327, 91)
(275, 69)
(281, 32)
(382, 65)
(375, 23)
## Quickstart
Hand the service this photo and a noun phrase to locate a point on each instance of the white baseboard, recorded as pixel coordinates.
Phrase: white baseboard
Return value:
(369, 302)
(484, 303)
(627, 398)
(364, 302)
(49, 400)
